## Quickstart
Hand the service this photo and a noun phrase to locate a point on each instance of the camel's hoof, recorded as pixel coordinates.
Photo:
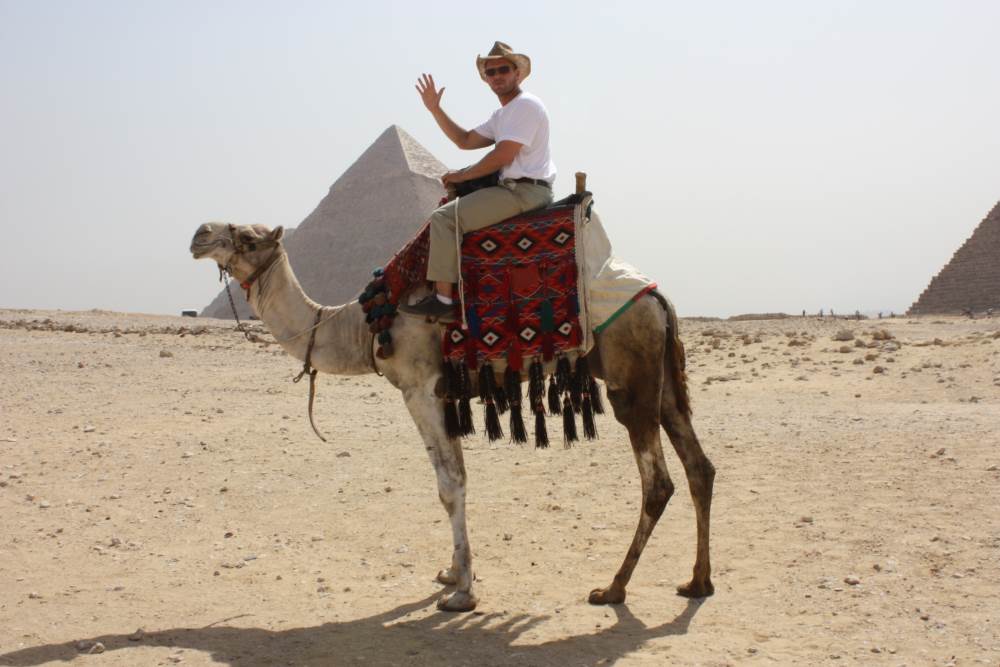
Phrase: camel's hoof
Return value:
(447, 577)
(609, 595)
(457, 601)
(696, 590)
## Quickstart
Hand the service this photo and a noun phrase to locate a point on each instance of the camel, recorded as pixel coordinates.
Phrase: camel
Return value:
(639, 356)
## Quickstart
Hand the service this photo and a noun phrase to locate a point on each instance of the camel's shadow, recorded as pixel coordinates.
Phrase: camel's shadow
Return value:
(384, 639)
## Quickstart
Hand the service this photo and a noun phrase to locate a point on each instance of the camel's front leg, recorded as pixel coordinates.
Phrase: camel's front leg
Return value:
(449, 466)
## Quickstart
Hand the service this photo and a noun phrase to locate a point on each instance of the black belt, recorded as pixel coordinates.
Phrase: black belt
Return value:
(535, 181)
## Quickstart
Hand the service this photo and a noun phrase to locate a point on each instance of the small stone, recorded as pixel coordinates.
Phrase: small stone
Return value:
(45, 504)
(344, 455)
(878, 370)
(992, 469)
(507, 537)
(89, 646)
(187, 455)
(137, 635)
(164, 354)
(806, 519)
(89, 428)
(844, 335)
(852, 579)
(34, 596)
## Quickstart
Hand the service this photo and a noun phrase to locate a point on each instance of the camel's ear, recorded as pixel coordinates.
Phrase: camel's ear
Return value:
(278, 232)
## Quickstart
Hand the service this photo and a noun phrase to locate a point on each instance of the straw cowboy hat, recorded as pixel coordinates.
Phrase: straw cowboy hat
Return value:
(501, 50)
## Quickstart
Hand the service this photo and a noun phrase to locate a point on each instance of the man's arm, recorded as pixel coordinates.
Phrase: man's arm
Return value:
(464, 139)
(499, 157)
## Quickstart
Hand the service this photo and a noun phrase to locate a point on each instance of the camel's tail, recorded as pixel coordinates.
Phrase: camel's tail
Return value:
(674, 358)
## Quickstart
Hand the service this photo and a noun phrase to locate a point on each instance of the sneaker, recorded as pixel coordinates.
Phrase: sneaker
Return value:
(431, 308)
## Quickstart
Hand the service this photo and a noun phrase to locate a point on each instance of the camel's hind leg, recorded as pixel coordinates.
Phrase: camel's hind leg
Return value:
(627, 354)
(449, 466)
(676, 419)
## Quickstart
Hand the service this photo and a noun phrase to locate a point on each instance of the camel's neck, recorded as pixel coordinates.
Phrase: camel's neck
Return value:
(342, 340)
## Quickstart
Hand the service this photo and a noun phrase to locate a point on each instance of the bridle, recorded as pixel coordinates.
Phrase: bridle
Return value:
(225, 272)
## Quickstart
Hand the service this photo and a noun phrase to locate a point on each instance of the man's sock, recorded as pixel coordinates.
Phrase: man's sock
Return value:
(445, 299)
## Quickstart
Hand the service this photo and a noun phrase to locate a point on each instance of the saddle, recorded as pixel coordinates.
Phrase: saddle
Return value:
(520, 317)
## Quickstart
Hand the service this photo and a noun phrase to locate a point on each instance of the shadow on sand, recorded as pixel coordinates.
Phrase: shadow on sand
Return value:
(384, 639)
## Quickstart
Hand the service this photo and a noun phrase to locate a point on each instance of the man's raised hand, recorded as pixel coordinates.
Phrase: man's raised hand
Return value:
(430, 96)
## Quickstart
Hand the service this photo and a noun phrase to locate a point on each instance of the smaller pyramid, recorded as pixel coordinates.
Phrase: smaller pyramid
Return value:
(370, 212)
(971, 279)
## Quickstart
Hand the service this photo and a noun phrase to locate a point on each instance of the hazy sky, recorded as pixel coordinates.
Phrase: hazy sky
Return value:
(749, 156)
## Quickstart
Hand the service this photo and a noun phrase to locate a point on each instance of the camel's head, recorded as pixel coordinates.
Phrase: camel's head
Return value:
(239, 249)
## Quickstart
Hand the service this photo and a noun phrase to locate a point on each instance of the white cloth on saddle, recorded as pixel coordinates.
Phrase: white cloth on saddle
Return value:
(606, 284)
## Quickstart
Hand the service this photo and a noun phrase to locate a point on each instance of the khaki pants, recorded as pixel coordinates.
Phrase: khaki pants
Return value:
(480, 209)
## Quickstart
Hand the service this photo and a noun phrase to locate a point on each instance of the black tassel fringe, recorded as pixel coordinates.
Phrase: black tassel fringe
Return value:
(571, 390)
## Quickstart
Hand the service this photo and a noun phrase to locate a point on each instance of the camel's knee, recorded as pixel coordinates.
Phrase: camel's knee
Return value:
(660, 491)
(448, 502)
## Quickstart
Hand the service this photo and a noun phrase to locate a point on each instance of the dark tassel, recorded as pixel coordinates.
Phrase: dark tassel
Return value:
(451, 388)
(589, 428)
(563, 373)
(452, 426)
(486, 382)
(493, 430)
(500, 398)
(518, 433)
(536, 386)
(579, 383)
(595, 397)
(576, 395)
(487, 392)
(466, 426)
(555, 408)
(512, 388)
(569, 422)
(541, 432)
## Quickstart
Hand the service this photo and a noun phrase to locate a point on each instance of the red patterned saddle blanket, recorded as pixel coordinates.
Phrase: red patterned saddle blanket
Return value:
(519, 307)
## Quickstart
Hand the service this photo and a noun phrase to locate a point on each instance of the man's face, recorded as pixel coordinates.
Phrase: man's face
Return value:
(501, 75)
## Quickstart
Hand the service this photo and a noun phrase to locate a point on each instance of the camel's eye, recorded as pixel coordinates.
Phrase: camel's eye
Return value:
(246, 237)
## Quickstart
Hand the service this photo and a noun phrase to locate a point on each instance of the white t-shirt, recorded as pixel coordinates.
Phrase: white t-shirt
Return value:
(524, 120)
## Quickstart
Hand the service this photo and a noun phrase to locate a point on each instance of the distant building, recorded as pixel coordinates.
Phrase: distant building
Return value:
(971, 279)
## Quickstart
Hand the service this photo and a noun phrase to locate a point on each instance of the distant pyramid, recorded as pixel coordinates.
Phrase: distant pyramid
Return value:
(371, 211)
(971, 279)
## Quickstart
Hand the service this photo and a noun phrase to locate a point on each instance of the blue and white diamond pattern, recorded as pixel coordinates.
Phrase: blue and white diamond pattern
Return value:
(490, 338)
(562, 238)
(488, 245)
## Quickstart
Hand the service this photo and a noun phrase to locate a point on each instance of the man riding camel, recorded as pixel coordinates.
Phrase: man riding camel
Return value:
(519, 129)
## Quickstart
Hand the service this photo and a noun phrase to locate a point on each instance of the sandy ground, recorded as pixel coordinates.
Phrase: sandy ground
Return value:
(161, 493)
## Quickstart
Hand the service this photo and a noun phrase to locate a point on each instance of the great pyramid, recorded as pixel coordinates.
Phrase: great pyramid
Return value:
(370, 212)
(971, 279)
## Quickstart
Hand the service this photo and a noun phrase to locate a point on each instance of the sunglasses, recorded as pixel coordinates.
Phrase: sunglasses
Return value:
(503, 69)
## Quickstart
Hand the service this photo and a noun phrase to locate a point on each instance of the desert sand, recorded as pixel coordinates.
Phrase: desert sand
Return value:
(164, 501)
